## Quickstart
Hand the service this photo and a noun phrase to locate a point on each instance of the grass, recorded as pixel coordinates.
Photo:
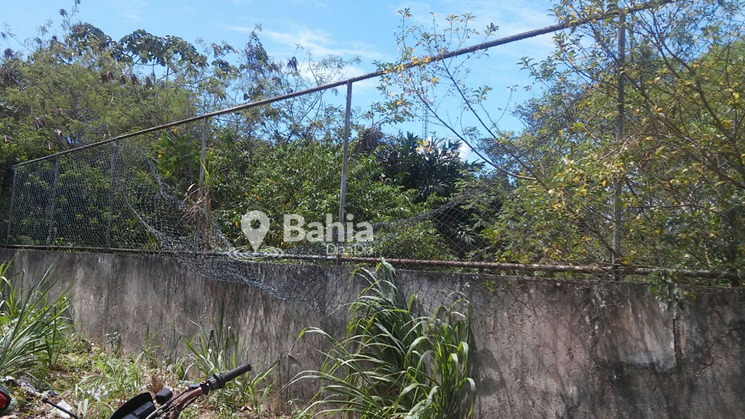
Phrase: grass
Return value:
(395, 362)
(32, 323)
(220, 349)
(96, 380)
(37, 345)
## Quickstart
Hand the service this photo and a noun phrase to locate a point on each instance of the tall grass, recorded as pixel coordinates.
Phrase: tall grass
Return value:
(31, 323)
(219, 349)
(116, 378)
(394, 362)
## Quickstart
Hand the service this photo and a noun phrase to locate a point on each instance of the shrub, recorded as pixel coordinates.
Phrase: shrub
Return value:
(394, 362)
(220, 349)
(31, 323)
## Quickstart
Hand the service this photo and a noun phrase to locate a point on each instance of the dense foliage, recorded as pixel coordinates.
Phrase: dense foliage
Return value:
(32, 323)
(396, 361)
(675, 172)
(546, 194)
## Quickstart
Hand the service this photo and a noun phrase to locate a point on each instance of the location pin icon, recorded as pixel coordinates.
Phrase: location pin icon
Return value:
(255, 235)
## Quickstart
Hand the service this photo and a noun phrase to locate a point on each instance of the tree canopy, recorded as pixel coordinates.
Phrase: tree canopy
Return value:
(678, 163)
(546, 194)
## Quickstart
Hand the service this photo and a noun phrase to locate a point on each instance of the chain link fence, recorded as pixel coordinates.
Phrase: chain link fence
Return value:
(215, 194)
(116, 197)
(127, 196)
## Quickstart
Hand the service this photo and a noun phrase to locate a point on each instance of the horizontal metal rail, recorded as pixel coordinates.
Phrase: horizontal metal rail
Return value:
(474, 48)
(492, 266)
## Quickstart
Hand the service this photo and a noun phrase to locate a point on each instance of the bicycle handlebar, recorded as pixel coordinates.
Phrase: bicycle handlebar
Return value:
(217, 381)
(173, 407)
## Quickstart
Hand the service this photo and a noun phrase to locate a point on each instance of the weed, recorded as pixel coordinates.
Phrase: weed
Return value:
(220, 349)
(117, 377)
(114, 340)
(394, 363)
(31, 323)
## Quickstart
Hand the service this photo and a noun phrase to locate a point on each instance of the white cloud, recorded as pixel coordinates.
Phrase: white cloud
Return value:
(463, 151)
(311, 4)
(317, 42)
(512, 17)
(315, 4)
(133, 16)
(235, 28)
(132, 10)
(365, 85)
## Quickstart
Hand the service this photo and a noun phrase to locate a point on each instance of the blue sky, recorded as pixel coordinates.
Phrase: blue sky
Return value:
(322, 27)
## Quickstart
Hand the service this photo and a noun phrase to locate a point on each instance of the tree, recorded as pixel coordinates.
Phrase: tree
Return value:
(430, 166)
(303, 178)
(679, 162)
(81, 86)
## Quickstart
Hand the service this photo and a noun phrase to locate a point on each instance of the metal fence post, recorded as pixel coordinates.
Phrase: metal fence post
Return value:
(345, 152)
(10, 210)
(617, 186)
(52, 202)
(202, 195)
(114, 157)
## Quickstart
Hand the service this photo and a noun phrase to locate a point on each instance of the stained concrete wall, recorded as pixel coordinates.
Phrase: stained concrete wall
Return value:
(544, 348)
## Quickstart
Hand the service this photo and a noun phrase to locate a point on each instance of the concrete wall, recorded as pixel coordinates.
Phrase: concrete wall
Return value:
(544, 348)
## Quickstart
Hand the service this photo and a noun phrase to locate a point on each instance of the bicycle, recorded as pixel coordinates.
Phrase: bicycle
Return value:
(143, 406)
